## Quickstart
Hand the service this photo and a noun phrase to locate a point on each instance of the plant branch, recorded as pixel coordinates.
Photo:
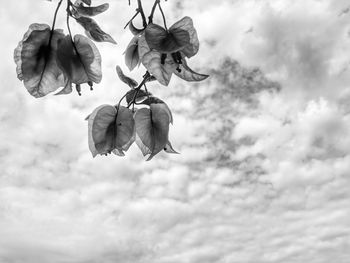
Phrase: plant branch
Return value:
(140, 10)
(150, 18)
(161, 10)
(137, 12)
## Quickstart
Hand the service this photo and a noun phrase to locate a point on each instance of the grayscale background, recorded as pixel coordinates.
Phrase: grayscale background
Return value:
(264, 170)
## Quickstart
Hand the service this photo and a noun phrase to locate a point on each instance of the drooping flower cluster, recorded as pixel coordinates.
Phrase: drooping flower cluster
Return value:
(113, 129)
(164, 52)
(47, 59)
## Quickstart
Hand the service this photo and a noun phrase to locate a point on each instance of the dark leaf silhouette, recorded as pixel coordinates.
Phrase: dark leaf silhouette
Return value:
(109, 132)
(132, 57)
(35, 57)
(80, 10)
(81, 65)
(93, 31)
(166, 41)
(127, 80)
(152, 129)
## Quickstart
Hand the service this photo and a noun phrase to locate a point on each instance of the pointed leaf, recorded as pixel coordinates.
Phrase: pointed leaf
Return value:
(143, 47)
(101, 130)
(132, 54)
(127, 80)
(90, 11)
(139, 95)
(81, 67)
(162, 71)
(152, 129)
(186, 24)
(93, 31)
(186, 73)
(125, 129)
(169, 148)
(134, 30)
(155, 100)
(166, 42)
(35, 57)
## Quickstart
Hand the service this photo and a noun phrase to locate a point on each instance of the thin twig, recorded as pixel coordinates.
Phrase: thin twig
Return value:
(137, 12)
(140, 10)
(161, 10)
(150, 18)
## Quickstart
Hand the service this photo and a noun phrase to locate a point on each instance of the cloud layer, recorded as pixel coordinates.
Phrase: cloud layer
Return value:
(263, 174)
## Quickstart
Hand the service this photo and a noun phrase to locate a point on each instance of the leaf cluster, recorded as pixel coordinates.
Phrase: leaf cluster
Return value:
(47, 59)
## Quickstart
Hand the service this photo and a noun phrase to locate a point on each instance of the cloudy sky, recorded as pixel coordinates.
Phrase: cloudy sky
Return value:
(264, 170)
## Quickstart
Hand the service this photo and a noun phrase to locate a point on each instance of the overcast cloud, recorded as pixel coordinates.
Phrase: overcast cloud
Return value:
(264, 170)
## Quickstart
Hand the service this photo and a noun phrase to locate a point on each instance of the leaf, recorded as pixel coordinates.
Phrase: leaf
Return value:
(186, 24)
(127, 80)
(93, 31)
(143, 47)
(35, 57)
(109, 132)
(88, 2)
(166, 42)
(153, 63)
(90, 11)
(101, 125)
(132, 54)
(134, 30)
(154, 100)
(152, 129)
(81, 67)
(139, 95)
(125, 129)
(169, 148)
(186, 73)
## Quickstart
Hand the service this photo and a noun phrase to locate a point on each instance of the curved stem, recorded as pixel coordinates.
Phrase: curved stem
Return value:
(140, 10)
(137, 12)
(54, 18)
(150, 18)
(161, 10)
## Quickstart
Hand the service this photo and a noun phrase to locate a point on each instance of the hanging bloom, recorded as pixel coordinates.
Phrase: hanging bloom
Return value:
(163, 52)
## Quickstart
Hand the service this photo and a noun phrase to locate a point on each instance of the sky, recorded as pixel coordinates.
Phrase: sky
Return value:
(264, 170)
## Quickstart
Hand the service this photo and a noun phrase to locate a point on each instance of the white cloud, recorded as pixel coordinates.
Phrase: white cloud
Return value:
(282, 196)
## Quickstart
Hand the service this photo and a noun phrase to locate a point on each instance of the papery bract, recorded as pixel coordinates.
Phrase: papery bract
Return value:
(93, 30)
(110, 130)
(152, 130)
(82, 63)
(35, 57)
